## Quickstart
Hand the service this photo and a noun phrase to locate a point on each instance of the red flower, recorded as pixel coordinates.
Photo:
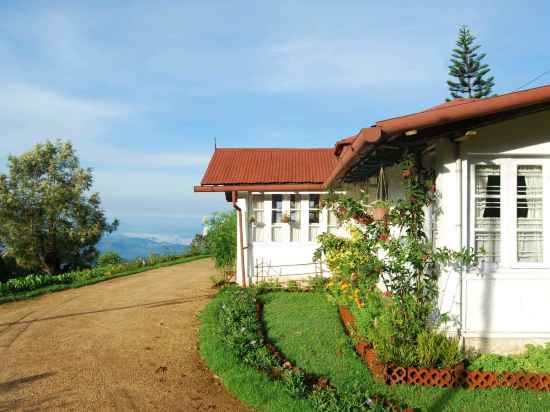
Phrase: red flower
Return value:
(383, 237)
(387, 293)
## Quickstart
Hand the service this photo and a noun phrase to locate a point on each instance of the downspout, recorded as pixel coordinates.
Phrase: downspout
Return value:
(240, 219)
(459, 182)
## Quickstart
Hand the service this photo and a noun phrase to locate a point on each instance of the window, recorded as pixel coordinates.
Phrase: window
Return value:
(314, 216)
(276, 218)
(487, 212)
(295, 218)
(257, 218)
(529, 222)
(508, 222)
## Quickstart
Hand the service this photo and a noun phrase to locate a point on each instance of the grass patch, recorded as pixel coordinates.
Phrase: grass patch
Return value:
(307, 329)
(249, 385)
(85, 282)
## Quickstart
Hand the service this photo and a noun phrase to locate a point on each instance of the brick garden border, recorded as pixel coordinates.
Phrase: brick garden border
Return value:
(444, 378)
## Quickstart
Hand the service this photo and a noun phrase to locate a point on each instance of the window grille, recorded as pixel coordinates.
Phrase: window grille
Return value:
(295, 217)
(529, 214)
(258, 218)
(314, 216)
(487, 212)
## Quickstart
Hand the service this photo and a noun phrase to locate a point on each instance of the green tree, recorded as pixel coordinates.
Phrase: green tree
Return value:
(198, 245)
(48, 218)
(472, 76)
(221, 239)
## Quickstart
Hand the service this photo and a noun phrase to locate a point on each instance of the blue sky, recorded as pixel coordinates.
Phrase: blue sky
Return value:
(143, 88)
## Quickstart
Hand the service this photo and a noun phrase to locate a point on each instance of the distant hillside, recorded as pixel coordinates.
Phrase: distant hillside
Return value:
(131, 247)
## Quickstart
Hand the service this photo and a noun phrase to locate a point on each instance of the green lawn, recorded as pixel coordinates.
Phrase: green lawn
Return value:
(78, 284)
(252, 387)
(308, 331)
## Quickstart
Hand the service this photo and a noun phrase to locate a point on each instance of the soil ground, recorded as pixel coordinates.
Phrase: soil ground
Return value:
(124, 344)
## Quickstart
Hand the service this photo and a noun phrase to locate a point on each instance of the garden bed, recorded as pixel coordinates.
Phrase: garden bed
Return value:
(445, 378)
(308, 330)
(236, 323)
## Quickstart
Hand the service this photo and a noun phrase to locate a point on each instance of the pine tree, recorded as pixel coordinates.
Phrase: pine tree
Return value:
(471, 75)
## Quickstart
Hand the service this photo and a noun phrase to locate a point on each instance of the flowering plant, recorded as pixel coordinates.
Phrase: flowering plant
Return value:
(395, 253)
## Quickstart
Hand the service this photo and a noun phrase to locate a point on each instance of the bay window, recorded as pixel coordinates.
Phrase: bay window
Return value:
(510, 215)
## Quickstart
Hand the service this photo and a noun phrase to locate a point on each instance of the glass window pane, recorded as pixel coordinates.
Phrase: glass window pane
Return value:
(276, 233)
(314, 201)
(277, 202)
(529, 214)
(258, 218)
(276, 216)
(313, 216)
(487, 212)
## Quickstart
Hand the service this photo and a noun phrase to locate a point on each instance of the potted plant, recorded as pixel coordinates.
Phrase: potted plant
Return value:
(380, 207)
(285, 218)
(253, 219)
(381, 204)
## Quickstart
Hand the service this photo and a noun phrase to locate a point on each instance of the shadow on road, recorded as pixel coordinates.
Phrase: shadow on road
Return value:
(150, 305)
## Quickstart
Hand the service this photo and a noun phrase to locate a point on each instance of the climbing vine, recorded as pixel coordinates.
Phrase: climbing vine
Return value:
(393, 252)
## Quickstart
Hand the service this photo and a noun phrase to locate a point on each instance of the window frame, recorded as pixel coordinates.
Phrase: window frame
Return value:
(508, 208)
(319, 211)
(253, 211)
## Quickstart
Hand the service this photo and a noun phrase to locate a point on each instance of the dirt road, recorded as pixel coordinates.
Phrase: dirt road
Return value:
(121, 345)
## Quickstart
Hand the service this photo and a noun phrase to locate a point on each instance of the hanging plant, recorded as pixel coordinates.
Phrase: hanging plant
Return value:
(381, 204)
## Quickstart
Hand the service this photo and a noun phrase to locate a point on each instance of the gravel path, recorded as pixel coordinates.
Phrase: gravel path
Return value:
(125, 344)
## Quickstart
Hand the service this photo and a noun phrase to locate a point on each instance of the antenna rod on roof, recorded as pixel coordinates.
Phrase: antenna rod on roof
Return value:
(215, 145)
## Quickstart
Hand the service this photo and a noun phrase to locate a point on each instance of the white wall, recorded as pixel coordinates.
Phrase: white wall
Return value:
(509, 307)
(282, 260)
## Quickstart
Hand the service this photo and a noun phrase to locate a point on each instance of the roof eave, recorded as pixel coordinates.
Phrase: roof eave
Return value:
(305, 187)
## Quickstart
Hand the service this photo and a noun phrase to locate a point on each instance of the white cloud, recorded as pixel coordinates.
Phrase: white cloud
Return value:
(342, 66)
(110, 156)
(29, 114)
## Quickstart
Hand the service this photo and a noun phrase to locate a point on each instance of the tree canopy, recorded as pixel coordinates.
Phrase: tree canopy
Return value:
(49, 220)
(472, 76)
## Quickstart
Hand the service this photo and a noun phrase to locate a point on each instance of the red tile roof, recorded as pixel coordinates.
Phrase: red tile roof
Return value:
(269, 166)
(446, 114)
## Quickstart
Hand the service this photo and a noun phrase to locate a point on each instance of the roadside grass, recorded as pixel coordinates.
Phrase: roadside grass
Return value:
(85, 282)
(253, 388)
(307, 329)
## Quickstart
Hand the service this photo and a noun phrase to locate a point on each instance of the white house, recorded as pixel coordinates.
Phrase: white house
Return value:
(492, 158)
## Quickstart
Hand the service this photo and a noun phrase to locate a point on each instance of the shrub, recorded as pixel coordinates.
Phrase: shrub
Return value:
(221, 239)
(267, 285)
(535, 358)
(36, 281)
(317, 283)
(109, 258)
(436, 350)
(293, 286)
